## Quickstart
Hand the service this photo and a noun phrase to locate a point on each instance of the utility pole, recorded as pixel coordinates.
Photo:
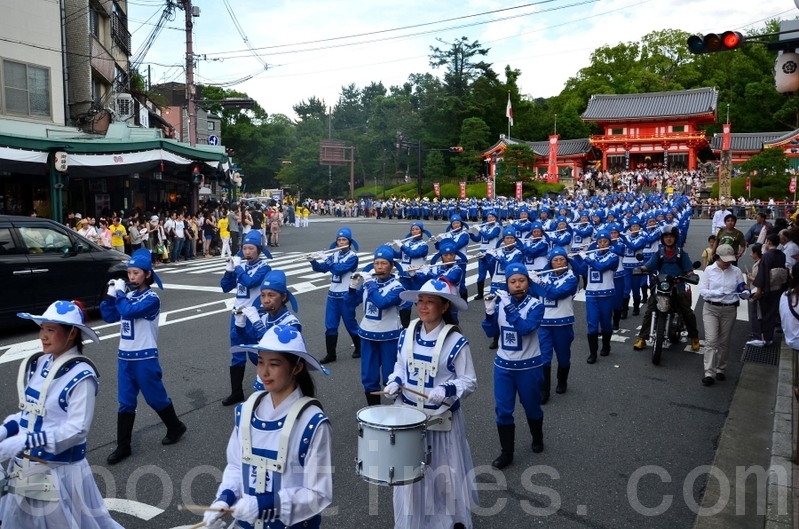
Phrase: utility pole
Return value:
(330, 167)
(191, 119)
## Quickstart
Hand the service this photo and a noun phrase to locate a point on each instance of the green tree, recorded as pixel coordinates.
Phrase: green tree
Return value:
(434, 167)
(769, 165)
(314, 108)
(518, 162)
(474, 140)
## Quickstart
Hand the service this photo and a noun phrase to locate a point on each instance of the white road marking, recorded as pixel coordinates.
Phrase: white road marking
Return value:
(136, 509)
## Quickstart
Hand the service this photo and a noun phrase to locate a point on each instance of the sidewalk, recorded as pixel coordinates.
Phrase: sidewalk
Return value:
(755, 453)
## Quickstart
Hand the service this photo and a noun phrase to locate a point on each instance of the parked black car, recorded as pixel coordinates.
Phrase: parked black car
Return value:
(42, 261)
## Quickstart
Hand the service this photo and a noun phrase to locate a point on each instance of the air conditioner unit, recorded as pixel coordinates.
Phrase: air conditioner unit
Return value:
(124, 107)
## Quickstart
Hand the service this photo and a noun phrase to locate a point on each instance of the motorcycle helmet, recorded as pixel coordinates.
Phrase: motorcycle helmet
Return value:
(673, 230)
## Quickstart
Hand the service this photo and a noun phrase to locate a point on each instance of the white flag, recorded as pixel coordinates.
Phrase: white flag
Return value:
(509, 112)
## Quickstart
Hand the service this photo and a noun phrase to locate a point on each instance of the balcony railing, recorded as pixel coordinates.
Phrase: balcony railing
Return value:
(648, 136)
(119, 32)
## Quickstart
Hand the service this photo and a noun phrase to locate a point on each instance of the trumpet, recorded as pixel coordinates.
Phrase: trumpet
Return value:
(323, 252)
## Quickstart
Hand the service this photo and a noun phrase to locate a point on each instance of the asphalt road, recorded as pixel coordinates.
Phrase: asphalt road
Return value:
(624, 445)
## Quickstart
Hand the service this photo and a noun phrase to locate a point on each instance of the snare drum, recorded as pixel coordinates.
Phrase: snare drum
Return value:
(392, 445)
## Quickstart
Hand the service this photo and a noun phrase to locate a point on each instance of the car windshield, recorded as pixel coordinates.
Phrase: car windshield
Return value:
(44, 240)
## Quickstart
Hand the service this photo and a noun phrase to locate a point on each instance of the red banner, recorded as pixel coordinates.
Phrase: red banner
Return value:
(518, 190)
(489, 189)
(463, 189)
(437, 189)
(725, 137)
(792, 187)
(552, 170)
(748, 184)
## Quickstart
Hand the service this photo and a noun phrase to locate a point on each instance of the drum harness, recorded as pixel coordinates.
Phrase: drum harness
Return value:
(264, 464)
(36, 482)
(436, 422)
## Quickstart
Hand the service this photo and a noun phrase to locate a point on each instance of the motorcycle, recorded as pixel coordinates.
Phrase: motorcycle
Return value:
(666, 322)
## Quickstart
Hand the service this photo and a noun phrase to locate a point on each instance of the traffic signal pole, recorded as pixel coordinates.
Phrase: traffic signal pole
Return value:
(191, 121)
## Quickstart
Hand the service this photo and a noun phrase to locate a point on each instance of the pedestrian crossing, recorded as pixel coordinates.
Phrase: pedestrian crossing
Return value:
(304, 279)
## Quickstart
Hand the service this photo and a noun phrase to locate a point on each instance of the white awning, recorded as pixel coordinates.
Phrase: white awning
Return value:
(20, 155)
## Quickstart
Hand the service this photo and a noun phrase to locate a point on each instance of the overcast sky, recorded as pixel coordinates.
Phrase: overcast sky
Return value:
(549, 41)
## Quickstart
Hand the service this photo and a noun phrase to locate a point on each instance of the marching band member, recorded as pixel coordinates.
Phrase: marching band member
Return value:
(617, 247)
(556, 288)
(450, 268)
(269, 482)
(412, 252)
(487, 235)
(536, 247)
(380, 326)
(516, 319)
(244, 273)
(543, 218)
(523, 224)
(562, 236)
(458, 231)
(341, 265)
(497, 260)
(434, 358)
(581, 237)
(634, 242)
(57, 389)
(138, 368)
(273, 311)
(599, 266)
(652, 234)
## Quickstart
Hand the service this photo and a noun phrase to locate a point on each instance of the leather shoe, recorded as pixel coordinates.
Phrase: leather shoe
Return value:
(707, 381)
(118, 455)
(327, 359)
(720, 377)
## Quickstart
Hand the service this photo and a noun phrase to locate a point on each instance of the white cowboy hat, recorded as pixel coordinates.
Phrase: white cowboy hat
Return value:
(66, 313)
(283, 339)
(437, 287)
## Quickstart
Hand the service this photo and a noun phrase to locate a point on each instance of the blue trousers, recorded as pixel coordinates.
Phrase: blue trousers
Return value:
(559, 338)
(177, 248)
(377, 362)
(632, 284)
(526, 383)
(140, 376)
(599, 313)
(482, 270)
(337, 310)
(618, 298)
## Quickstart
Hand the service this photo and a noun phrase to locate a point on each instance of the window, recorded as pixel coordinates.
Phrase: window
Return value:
(616, 132)
(27, 89)
(94, 22)
(678, 128)
(7, 246)
(97, 91)
(45, 240)
(211, 125)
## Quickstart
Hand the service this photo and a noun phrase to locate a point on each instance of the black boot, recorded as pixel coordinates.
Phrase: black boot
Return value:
(481, 286)
(174, 428)
(563, 377)
(124, 433)
(330, 344)
(547, 384)
(507, 437)
(537, 431)
(236, 393)
(636, 304)
(616, 318)
(605, 344)
(494, 342)
(644, 294)
(405, 318)
(625, 307)
(356, 341)
(372, 400)
(593, 346)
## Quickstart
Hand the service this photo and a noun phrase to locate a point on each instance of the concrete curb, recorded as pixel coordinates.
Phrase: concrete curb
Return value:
(781, 491)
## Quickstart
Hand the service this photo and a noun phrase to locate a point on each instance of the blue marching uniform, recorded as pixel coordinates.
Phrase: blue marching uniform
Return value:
(617, 247)
(634, 243)
(556, 291)
(246, 280)
(517, 366)
(599, 267)
(379, 330)
(340, 265)
(487, 237)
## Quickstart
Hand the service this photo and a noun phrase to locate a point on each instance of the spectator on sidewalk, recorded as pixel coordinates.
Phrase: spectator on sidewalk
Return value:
(233, 227)
(789, 311)
(759, 230)
(770, 282)
(718, 218)
(789, 248)
(756, 252)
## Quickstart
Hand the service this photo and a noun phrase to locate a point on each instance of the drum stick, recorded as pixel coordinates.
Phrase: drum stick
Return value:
(198, 525)
(34, 459)
(202, 508)
(420, 394)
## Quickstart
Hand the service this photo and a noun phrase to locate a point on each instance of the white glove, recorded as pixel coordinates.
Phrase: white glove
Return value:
(246, 509)
(437, 395)
(251, 314)
(310, 257)
(583, 254)
(229, 266)
(356, 281)
(392, 388)
(368, 277)
(474, 229)
(119, 285)
(112, 289)
(491, 304)
(212, 517)
(744, 294)
(320, 256)
(482, 255)
(236, 261)
(217, 524)
(503, 295)
(397, 244)
(534, 277)
(12, 446)
(240, 319)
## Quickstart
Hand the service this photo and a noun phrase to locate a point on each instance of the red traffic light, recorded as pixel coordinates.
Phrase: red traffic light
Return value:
(713, 42)
(456, 149)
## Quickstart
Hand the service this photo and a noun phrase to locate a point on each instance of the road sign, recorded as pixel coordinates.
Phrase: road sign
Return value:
(213, 140)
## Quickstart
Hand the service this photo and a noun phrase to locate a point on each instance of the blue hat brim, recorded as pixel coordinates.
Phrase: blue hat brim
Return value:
(310, 361)
(86, 332)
